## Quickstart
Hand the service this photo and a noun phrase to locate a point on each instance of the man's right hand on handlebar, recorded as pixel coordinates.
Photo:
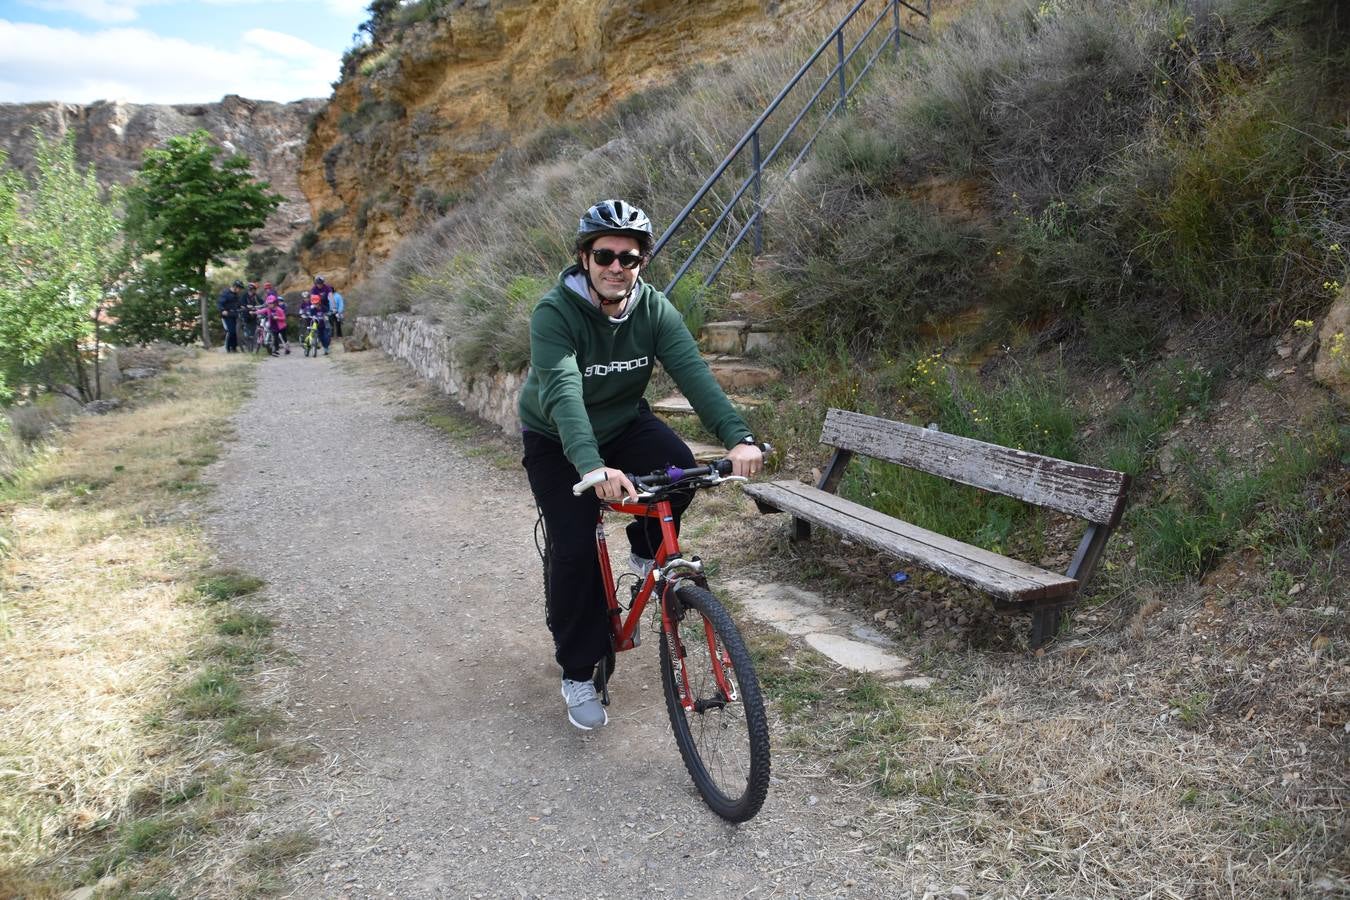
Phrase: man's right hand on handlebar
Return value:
(614, 486)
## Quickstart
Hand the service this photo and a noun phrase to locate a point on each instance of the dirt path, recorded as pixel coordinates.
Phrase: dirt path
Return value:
(423, 675)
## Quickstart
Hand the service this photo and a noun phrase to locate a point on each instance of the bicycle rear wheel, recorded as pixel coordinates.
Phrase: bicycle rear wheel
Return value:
(724, 738)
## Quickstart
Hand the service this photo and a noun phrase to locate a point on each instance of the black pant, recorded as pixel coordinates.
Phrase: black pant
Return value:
(576, 595)
(337, 325)
(231, 333)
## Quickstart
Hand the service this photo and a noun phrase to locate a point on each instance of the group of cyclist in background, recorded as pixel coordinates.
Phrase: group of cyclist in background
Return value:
(259, 318)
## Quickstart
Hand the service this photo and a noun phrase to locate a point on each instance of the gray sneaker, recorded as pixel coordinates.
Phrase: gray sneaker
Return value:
(584, 709)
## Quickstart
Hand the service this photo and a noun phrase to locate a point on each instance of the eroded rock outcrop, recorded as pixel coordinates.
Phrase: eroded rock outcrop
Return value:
(115, 135)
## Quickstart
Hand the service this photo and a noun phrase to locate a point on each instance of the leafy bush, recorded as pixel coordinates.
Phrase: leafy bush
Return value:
(1223, 509)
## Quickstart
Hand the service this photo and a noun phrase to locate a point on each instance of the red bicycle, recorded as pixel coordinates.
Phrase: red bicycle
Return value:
(712, 694)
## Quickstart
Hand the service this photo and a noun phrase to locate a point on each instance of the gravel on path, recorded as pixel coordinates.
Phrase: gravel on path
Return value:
(403, 576)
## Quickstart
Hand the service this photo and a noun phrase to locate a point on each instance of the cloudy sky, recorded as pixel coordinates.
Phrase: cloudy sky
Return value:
(172, 51)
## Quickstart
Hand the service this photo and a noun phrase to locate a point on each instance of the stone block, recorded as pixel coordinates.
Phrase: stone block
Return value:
(723, 337)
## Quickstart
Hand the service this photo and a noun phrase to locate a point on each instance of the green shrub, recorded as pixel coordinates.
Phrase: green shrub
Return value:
(879, 267)
(1161, 395)
(1223, 508)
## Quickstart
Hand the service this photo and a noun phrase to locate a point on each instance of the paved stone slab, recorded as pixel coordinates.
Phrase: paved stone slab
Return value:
(803, 614)
(678, 405)
(856, 655)
(786, 615)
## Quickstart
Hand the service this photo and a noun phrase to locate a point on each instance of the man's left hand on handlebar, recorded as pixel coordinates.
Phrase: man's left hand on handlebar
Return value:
(746, 460)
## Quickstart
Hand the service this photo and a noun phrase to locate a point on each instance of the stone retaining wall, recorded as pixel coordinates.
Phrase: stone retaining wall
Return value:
(424, 346)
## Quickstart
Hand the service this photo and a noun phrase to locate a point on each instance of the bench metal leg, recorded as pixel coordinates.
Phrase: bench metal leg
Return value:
(1044, 625)
(801, 530)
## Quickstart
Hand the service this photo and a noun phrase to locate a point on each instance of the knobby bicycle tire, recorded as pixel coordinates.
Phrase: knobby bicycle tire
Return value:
(726, 745)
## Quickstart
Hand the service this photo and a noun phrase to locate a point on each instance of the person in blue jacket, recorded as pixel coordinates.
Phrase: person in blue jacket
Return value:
(336, 307)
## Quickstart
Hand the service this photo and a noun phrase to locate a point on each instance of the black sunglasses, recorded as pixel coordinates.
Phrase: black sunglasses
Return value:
(605, 258)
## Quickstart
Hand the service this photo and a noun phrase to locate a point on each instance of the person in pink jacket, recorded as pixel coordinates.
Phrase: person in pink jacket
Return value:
(276, 313)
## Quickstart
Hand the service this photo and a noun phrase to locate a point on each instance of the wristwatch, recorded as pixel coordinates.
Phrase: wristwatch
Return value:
(749, 439)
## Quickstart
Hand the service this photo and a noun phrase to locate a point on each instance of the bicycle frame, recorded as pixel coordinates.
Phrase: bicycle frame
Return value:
(625, 629)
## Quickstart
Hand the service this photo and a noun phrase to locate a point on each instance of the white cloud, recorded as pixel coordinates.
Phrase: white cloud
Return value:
(281, 44)
(109, 12)
(42, 63)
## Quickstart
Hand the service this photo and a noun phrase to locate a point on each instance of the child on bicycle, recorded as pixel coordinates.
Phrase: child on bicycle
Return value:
(593, 339)
(316, 314)
(275, 314)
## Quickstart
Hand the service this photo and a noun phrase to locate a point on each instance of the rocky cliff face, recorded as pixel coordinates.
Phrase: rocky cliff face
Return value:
(114, 136)
(415, 120)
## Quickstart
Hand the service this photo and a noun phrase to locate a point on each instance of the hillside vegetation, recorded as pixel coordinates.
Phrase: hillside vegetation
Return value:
(1152, 191)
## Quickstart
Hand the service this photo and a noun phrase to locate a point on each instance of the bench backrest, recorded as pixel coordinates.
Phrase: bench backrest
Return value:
(1097, 495)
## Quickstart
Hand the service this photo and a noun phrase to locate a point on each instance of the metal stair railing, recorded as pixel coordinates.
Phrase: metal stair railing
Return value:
(759, 162)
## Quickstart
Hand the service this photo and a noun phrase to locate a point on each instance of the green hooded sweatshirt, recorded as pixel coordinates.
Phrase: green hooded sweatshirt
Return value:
(587, 371)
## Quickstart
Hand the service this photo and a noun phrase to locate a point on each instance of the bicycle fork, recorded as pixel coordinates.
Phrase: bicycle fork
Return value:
(672, 613)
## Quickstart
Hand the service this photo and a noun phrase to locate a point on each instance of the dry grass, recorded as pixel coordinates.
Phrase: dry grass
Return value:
(1181, 741)
(1088, 774)
(103, 767)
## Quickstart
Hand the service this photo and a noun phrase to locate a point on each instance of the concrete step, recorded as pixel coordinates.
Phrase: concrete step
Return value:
(735, 373)
(705, 453)
(734, 337)
(723, 337)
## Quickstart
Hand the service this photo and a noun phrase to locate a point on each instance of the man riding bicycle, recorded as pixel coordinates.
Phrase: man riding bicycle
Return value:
(593, 340)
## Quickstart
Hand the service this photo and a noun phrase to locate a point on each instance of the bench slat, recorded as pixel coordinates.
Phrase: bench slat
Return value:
(1097, 495)
(1008, 579)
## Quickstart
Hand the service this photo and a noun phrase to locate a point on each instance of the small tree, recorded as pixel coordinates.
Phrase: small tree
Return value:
(58, 257)
(151, 307)
(190, 208)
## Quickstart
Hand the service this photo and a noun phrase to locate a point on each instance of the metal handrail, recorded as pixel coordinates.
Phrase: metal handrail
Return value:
(751, 137)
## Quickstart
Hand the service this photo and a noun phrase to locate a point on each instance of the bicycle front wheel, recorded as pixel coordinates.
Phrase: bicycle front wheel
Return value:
(715, 705)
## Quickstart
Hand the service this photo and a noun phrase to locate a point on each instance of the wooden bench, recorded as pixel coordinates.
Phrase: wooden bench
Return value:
(1095, 495)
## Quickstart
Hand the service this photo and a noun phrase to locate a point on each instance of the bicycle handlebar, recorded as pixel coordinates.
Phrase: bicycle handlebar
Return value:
(670, 475)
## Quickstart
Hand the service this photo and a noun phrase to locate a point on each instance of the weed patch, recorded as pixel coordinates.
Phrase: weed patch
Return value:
(1222, 509)
(219, 587)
